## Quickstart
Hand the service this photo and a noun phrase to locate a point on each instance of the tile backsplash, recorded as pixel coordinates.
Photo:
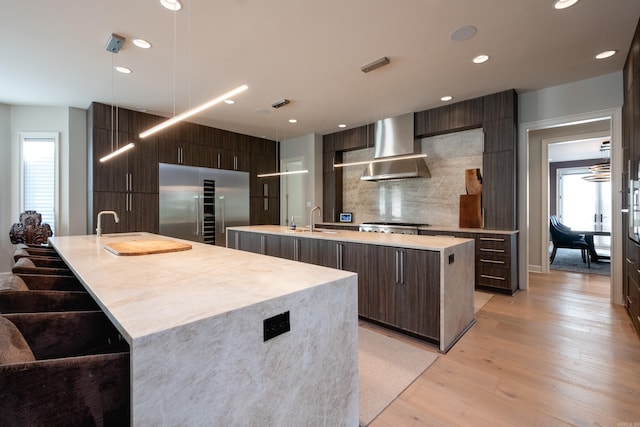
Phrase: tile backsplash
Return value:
(434, 200)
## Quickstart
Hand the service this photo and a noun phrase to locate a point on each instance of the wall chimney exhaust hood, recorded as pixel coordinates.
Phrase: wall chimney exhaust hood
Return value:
(397, 152)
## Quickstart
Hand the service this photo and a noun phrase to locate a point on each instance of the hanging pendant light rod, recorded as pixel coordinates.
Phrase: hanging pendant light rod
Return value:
(114, 44)
(180, 117)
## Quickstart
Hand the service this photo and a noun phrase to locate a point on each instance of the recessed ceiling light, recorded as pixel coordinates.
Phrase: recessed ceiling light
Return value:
(606, 54)
(342, 125)
(563, 4)
(463, 33)
(480, 59)
(293, 121)
(142, 44)
(123, 70)
(229, 101)
(174, 5)
(446, 98)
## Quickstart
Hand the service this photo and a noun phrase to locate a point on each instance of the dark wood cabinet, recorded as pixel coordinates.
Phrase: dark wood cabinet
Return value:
(496, 258)
(132, 178)
(136, 211)
(404, 289)
(496, 113)
(499, 190)
(631, 154)
(398, 287)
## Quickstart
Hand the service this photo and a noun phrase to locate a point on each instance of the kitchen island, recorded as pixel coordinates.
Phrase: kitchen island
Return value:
(198, 324)
(420, 285)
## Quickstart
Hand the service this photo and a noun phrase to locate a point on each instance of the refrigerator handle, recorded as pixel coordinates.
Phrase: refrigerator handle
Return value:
(222, 209)
(197, 201)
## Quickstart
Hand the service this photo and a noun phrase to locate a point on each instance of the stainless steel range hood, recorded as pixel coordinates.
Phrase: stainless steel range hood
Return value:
(394, 137)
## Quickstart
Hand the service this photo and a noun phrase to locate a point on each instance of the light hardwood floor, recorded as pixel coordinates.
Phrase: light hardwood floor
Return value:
(558, 354)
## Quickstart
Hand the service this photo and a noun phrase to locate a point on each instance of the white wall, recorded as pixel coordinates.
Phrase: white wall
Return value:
(308, 148)
(6, 249)
(555, 107)
(594, 94)
(70, 124)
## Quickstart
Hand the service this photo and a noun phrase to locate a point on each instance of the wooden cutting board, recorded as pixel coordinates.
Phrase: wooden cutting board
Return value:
(145, 247)
(470, 211)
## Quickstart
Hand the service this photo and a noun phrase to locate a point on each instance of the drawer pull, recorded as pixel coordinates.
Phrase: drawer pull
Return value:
(486, 276)
(492, 239)
(501, 251)
(492, 261)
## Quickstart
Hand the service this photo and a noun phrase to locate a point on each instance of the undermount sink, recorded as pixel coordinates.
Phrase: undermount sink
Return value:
(315, 230)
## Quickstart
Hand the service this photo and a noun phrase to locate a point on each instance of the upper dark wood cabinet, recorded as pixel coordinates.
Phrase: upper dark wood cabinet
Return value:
(450, 118)
(129, 182)
(500, 105)
(496, 113)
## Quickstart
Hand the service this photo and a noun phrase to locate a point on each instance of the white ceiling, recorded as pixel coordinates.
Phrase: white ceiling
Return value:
(309, 52)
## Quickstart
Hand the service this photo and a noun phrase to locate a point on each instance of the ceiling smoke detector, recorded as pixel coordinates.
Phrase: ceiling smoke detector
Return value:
(280, 103)
(375, 64)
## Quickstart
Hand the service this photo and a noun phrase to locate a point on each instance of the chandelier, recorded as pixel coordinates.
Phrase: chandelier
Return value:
(601, 172)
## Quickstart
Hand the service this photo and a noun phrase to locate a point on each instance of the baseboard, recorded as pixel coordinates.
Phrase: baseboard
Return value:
(535, 269)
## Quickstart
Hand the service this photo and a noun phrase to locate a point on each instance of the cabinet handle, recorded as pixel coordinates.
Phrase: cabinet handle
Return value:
(629, 301)
(486, 276)
(492, 261)
(218, 160)
(339, 256)
(130, 202)
(501, 251)
(263, 244)
(237, 239)
(492, 239)
(130, 182)
(397, 267)
(235, 163)
(296, 244)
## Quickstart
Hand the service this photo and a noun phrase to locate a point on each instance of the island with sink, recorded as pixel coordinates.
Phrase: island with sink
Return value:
(419, 285)
(219, 337)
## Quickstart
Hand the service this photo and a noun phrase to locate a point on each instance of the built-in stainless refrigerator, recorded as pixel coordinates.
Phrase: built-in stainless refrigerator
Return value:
(198, 204)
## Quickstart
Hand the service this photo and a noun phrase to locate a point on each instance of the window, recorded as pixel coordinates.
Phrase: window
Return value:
(39, 175)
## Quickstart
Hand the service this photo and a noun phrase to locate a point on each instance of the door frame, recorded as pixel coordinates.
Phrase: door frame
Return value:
(617, 235)
(544, 203)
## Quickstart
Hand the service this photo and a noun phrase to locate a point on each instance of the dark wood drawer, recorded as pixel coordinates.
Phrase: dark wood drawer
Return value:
(495, 277)
(493, 259)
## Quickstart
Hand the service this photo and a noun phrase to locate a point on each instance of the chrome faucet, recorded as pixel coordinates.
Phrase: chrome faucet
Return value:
(115, 216)
(313, 209)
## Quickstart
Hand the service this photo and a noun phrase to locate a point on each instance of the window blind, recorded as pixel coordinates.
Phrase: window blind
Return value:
(38, 169)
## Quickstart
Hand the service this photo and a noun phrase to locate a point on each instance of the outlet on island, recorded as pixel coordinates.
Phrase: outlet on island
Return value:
(276, 325)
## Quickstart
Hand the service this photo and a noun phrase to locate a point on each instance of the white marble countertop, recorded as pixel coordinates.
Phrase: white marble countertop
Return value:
(145, 294)
(430, 243)
(430, 228)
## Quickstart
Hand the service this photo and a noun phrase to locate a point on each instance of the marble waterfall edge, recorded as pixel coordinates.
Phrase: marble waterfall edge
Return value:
(308, 376)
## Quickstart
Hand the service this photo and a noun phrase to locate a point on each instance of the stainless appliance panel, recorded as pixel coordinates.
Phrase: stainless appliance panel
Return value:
(188, 212)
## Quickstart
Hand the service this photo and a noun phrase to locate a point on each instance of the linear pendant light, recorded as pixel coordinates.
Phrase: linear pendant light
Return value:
(120, 150)
(193, 111)
(264, 175)
(380, 160)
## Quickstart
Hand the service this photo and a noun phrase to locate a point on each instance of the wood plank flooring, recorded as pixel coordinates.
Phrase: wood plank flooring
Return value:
(558, 354)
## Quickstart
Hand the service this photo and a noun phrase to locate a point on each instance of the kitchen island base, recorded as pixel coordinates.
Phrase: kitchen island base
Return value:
(195, 324)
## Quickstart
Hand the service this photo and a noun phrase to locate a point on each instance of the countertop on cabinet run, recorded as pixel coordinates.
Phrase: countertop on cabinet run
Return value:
(194, 321)
(465, 230)
(431, 243)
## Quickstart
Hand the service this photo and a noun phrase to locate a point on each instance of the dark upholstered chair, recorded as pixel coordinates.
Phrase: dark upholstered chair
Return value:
(30, 229)
(40, 265)
(563, 237)
(67, 369)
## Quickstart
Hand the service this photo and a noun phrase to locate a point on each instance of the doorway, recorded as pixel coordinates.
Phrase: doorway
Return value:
(533, 188)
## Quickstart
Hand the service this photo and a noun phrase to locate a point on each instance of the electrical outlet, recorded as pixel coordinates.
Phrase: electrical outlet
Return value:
(451, 258)
(276, 325)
